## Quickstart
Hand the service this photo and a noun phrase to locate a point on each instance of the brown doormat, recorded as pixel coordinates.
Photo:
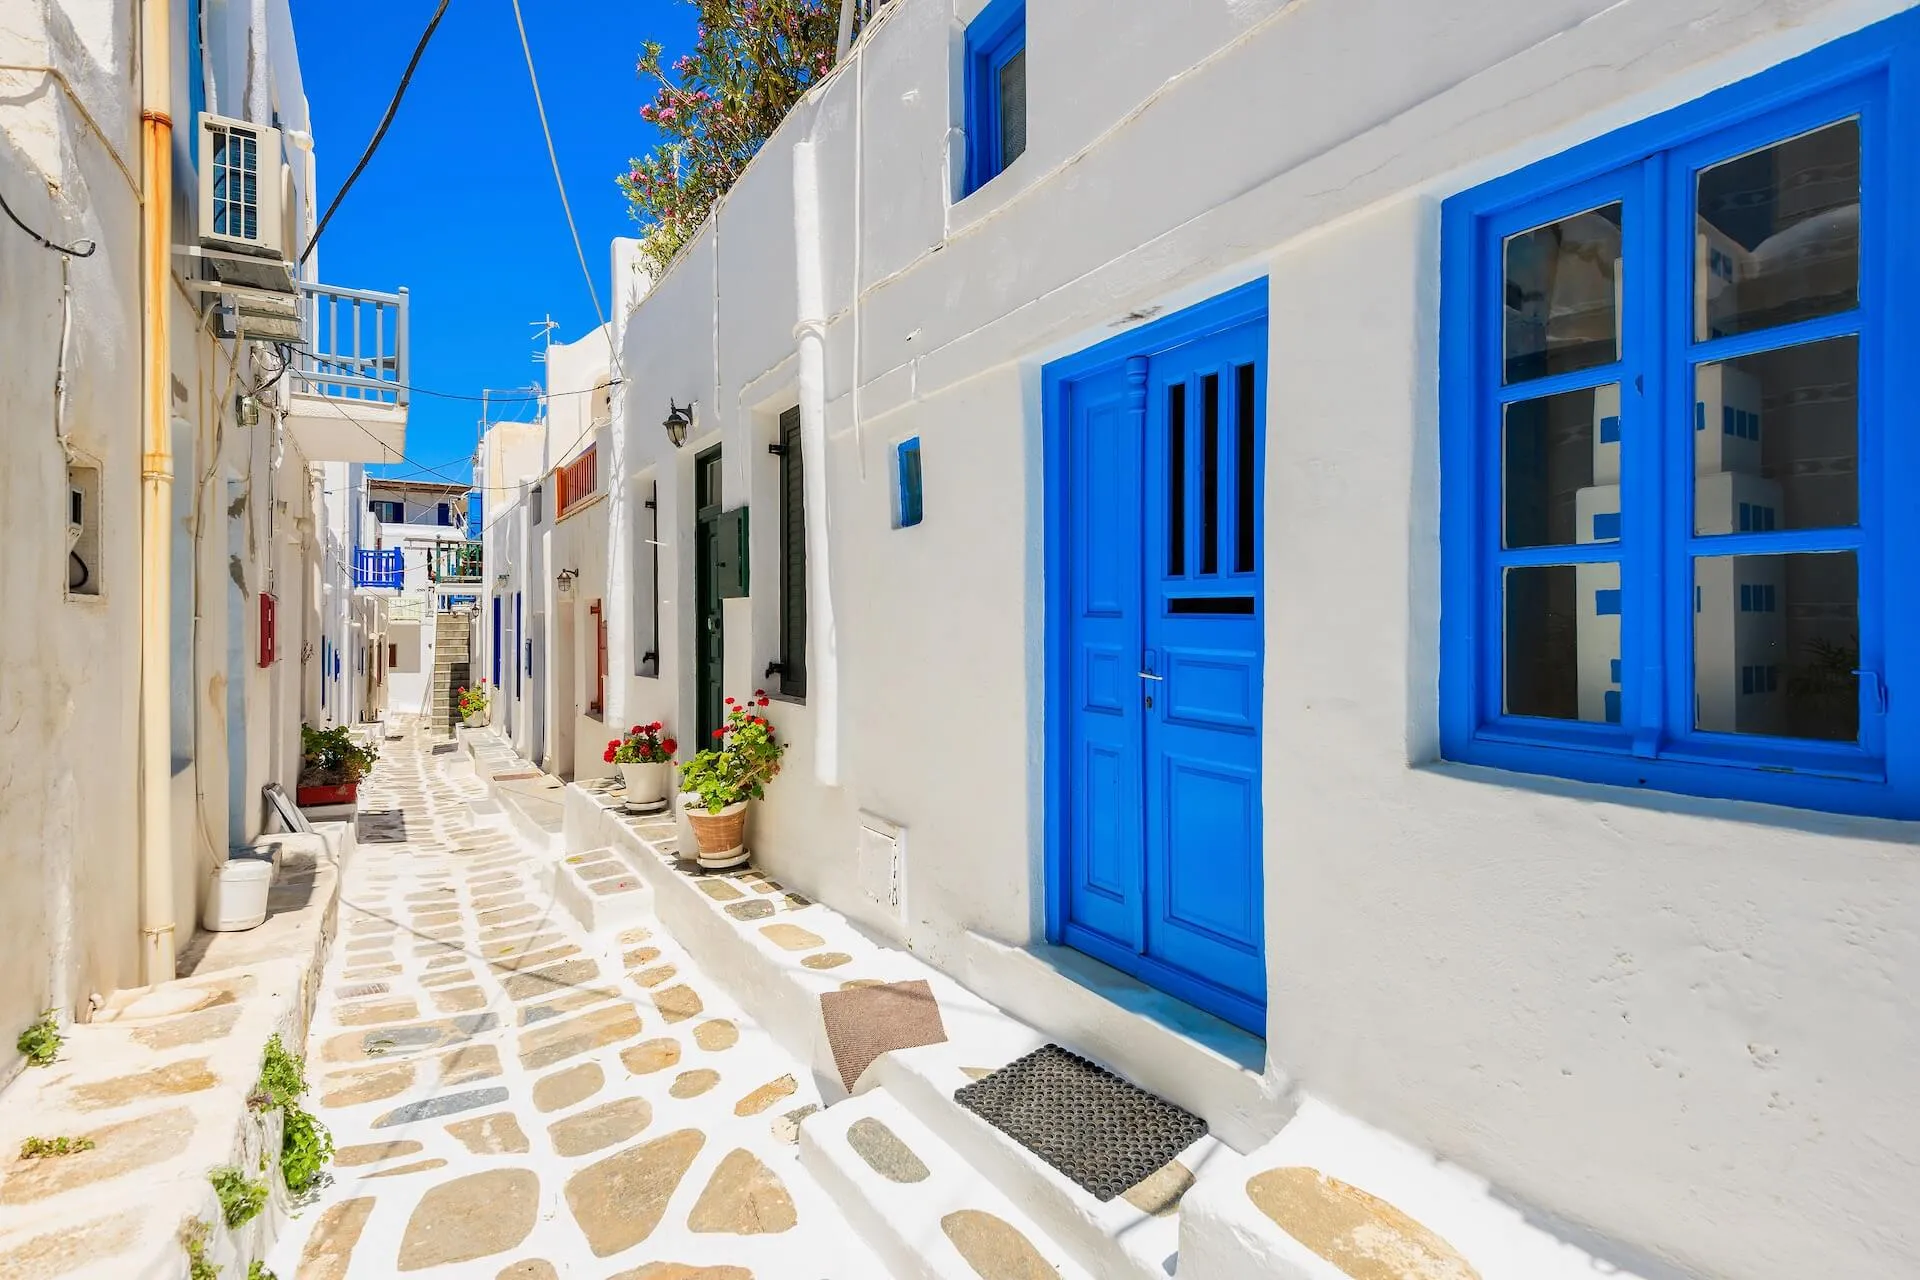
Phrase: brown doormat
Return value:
(866, 1022)
(1104, 1133)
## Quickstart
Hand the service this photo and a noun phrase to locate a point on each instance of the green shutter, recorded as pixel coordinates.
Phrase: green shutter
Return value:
(793, 559)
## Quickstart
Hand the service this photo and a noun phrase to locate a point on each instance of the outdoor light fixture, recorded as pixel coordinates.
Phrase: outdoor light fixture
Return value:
(678, 420)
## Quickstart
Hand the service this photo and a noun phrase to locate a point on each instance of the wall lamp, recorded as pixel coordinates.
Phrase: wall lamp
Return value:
(678, 420)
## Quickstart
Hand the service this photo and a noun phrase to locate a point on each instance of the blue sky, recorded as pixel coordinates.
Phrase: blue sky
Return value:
(459, 203)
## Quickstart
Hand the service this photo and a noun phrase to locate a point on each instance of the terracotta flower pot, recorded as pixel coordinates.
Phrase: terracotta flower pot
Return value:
(646, 786)
(722, 836)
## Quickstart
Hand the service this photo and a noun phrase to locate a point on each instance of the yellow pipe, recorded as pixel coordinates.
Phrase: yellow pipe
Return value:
(157, 952)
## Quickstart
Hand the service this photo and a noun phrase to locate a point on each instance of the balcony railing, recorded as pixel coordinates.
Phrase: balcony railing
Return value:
(407, 609)
(455, 562)
(380, 568)
(354, 345)
(576, 482)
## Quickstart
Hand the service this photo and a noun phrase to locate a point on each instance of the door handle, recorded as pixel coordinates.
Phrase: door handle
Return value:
(1148, 675)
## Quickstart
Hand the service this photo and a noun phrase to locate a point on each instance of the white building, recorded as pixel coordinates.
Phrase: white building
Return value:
(1168, 513)
(107, 862)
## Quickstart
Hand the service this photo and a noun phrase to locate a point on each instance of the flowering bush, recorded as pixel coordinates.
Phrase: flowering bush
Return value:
(473, 702)
(331, 758)
(642, 745)
(751, 61)
(746, 758)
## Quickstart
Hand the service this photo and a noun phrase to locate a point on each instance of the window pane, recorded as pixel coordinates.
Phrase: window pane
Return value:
(1562, 289)
(1777, 441)
(1562, 469)
(1776, 640)
(1562, 653)
(1013, 108)
(1779, 234)
(1210, 473)
(1177, 479)
(1243, 453)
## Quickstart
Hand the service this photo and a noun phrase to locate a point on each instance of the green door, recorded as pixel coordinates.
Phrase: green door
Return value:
(709, 634)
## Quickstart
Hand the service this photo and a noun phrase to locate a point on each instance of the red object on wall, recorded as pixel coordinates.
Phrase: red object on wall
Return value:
(312, 797)
(599, 706)
(269, 639)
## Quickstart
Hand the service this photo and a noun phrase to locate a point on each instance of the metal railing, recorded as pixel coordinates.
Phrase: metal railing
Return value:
(380, 568)
(407, 609)
(455, 562)
(354, 345)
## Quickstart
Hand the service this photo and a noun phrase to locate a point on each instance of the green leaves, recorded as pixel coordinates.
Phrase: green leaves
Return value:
(241, 1198)
(330, 757)
(40, 1042)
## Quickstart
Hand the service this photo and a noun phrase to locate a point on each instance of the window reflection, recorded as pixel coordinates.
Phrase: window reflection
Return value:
(1562, 469)
(1562, 654)
(1779, 234)
(1776, 640)
(1563, 295)
(1777, 440)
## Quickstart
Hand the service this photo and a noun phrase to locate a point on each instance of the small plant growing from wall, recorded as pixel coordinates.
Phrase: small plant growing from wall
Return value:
(241, 1198)
(40, 1043)
(193, 1239)
(258, 1271)
(305, 1144)
(46, 1148)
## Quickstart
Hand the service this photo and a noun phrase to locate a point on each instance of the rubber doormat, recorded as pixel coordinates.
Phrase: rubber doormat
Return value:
(1099, 1130)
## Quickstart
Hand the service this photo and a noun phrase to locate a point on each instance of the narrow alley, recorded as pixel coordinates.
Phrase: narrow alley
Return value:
(511, 1094)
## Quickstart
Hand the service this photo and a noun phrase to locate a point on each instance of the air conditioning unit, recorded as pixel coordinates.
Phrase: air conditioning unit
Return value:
(242, 187)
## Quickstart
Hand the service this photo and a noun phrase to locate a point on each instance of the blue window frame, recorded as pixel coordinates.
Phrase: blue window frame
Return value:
(1629, 596)
(996, 88)
(908, 502)
(196, 70)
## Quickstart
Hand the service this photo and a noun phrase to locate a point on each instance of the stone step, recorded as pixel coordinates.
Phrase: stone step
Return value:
(1133, 1235)
(1332, 1197)
(917, 1204)
(599, 890)
(760, 953)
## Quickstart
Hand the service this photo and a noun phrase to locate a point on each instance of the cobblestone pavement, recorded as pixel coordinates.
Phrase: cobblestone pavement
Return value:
(512, 1097)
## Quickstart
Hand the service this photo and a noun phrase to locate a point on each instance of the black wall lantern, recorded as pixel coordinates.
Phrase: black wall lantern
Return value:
(678, 420)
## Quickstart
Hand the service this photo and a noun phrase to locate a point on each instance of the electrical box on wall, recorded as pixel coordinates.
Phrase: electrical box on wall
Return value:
(882, 874)
(730, 554)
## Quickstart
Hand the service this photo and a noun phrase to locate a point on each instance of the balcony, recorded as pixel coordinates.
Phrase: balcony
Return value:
(455, 562)
(348, 383)
(380, 568)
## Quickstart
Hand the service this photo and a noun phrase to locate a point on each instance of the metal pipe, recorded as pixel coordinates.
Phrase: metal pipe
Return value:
(157, 954)
(823, 659)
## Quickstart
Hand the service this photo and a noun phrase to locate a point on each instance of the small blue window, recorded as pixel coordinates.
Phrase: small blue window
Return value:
(1643, 277)
(909, 510)
(996, 88)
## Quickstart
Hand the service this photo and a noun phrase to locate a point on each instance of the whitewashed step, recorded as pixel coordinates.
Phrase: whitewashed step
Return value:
(1136, 1235)
(916, 1203)
(601, 891)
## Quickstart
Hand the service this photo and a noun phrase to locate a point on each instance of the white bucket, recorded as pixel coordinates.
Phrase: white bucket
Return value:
(237, 898)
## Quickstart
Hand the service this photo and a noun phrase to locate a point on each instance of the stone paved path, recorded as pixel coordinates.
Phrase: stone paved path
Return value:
(513, 1098)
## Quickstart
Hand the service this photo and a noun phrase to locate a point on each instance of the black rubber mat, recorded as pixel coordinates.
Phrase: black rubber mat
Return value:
(1100, 1131)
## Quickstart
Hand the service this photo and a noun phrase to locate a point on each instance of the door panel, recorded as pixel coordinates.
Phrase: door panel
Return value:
(1162, 846)
(709, 630)
(1104, 889)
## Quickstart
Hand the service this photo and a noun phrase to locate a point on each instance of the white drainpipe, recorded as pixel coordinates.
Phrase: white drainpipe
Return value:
(810, 334)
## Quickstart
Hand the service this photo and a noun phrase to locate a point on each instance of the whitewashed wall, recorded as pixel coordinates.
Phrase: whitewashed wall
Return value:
(1682, 1028)
(69, 678)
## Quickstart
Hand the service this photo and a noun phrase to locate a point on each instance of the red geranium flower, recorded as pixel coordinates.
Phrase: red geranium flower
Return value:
(669, 746)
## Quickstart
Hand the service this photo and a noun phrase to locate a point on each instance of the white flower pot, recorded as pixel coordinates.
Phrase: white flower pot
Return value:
(646, 786)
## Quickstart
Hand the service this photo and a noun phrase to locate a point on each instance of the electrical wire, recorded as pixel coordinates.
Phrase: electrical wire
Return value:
(593, 291)
(82, 248)
(412, 462)
(393, 107)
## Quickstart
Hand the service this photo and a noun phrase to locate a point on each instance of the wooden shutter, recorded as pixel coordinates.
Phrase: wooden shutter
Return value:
(269, 628)
(599, 706)
(793, 559)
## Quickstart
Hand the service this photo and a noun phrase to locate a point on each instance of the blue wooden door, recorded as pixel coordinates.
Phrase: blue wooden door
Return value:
(1163, 494)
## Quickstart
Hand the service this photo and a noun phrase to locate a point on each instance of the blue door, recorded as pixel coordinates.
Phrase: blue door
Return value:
(1160, 672)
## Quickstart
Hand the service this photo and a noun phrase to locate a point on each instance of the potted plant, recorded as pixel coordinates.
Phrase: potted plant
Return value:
(331, 766)
(473, 705)
(719, 781)
(646, 766)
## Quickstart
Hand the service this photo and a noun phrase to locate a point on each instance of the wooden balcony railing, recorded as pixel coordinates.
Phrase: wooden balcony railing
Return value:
(576, 482)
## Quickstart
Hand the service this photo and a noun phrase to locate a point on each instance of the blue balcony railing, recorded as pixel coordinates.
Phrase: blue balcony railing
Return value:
(382, 568)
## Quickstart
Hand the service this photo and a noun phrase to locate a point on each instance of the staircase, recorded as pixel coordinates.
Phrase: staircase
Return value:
(452, 669)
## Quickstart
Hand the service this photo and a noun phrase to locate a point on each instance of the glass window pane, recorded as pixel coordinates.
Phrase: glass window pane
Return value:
(1777, 441)
(1013, 108)
(1778, 234)
(1562, 285)
(1562, 469)
(1776, 640)
(1562, 642)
